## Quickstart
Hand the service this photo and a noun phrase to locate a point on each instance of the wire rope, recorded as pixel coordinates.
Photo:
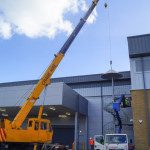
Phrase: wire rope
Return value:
(26, 93)
(109, 31)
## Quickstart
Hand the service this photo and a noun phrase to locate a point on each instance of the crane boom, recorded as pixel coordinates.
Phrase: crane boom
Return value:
(24, 111)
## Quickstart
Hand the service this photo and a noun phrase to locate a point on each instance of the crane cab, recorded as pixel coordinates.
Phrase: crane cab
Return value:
(41, 128)
(39, 124)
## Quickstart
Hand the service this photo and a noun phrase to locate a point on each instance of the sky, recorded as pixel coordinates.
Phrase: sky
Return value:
(32, 31)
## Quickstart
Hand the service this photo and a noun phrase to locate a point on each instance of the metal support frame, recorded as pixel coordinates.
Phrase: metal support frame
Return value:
(76, 139)
(86, 132)
(76, 135)
(102, 111)
(113, 96)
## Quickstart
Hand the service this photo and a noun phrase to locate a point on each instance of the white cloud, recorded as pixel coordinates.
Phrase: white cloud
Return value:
(5, 29)
(36, 18)
(92, 17)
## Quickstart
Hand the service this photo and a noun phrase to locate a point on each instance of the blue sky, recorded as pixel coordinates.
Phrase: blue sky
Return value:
(25, 58)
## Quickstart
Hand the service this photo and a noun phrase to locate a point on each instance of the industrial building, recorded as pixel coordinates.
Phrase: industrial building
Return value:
(81, 106)
(90, 95)
(139, 53)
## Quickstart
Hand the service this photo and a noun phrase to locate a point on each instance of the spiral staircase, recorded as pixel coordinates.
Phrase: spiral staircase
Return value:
(111, 126)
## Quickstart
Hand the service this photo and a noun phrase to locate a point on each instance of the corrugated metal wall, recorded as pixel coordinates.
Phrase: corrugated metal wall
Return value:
(16, 95)
(107, 91)
(137, 77)
(98, 93)
(94, 116)
(95, 91)
(139, 53)
(139, 45)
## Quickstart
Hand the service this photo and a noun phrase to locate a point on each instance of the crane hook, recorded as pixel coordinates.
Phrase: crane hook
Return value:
(105, 5)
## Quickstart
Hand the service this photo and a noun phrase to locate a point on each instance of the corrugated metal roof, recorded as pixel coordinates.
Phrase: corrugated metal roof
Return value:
(69, 80)
(139, 46)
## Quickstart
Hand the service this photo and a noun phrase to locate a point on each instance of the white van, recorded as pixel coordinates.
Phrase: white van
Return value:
(111, 142)
(99, 142)
(116, 141)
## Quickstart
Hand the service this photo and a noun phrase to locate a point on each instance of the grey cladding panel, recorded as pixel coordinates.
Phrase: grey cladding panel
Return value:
(69, 97)
(146, 64)
(138, 65)
(53, 95)
(68, 80)
(70, 100)
(139, 45)
(94, 116)
(83, 105)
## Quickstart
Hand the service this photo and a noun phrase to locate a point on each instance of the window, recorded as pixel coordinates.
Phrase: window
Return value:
(50, 128)
(99, 139)
(43, 125)
(30, 123)
(36, 127)
(146, 65)
(113, 139)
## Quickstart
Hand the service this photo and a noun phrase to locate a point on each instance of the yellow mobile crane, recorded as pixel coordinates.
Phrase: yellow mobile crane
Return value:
(38, 130)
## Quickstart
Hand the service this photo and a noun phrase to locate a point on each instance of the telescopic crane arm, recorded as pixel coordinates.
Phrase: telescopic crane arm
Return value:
(45, 80)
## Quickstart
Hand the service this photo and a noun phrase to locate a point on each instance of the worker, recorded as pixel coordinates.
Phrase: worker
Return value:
(73, 148)
(126, 102)
(91, 142)
(102, 141)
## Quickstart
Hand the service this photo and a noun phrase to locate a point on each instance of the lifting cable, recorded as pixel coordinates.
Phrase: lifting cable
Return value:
(28, 91)
(44, 97)
(25, 95)
(109, 31)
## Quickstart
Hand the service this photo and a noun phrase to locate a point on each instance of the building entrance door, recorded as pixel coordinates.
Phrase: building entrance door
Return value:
(63, 135)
